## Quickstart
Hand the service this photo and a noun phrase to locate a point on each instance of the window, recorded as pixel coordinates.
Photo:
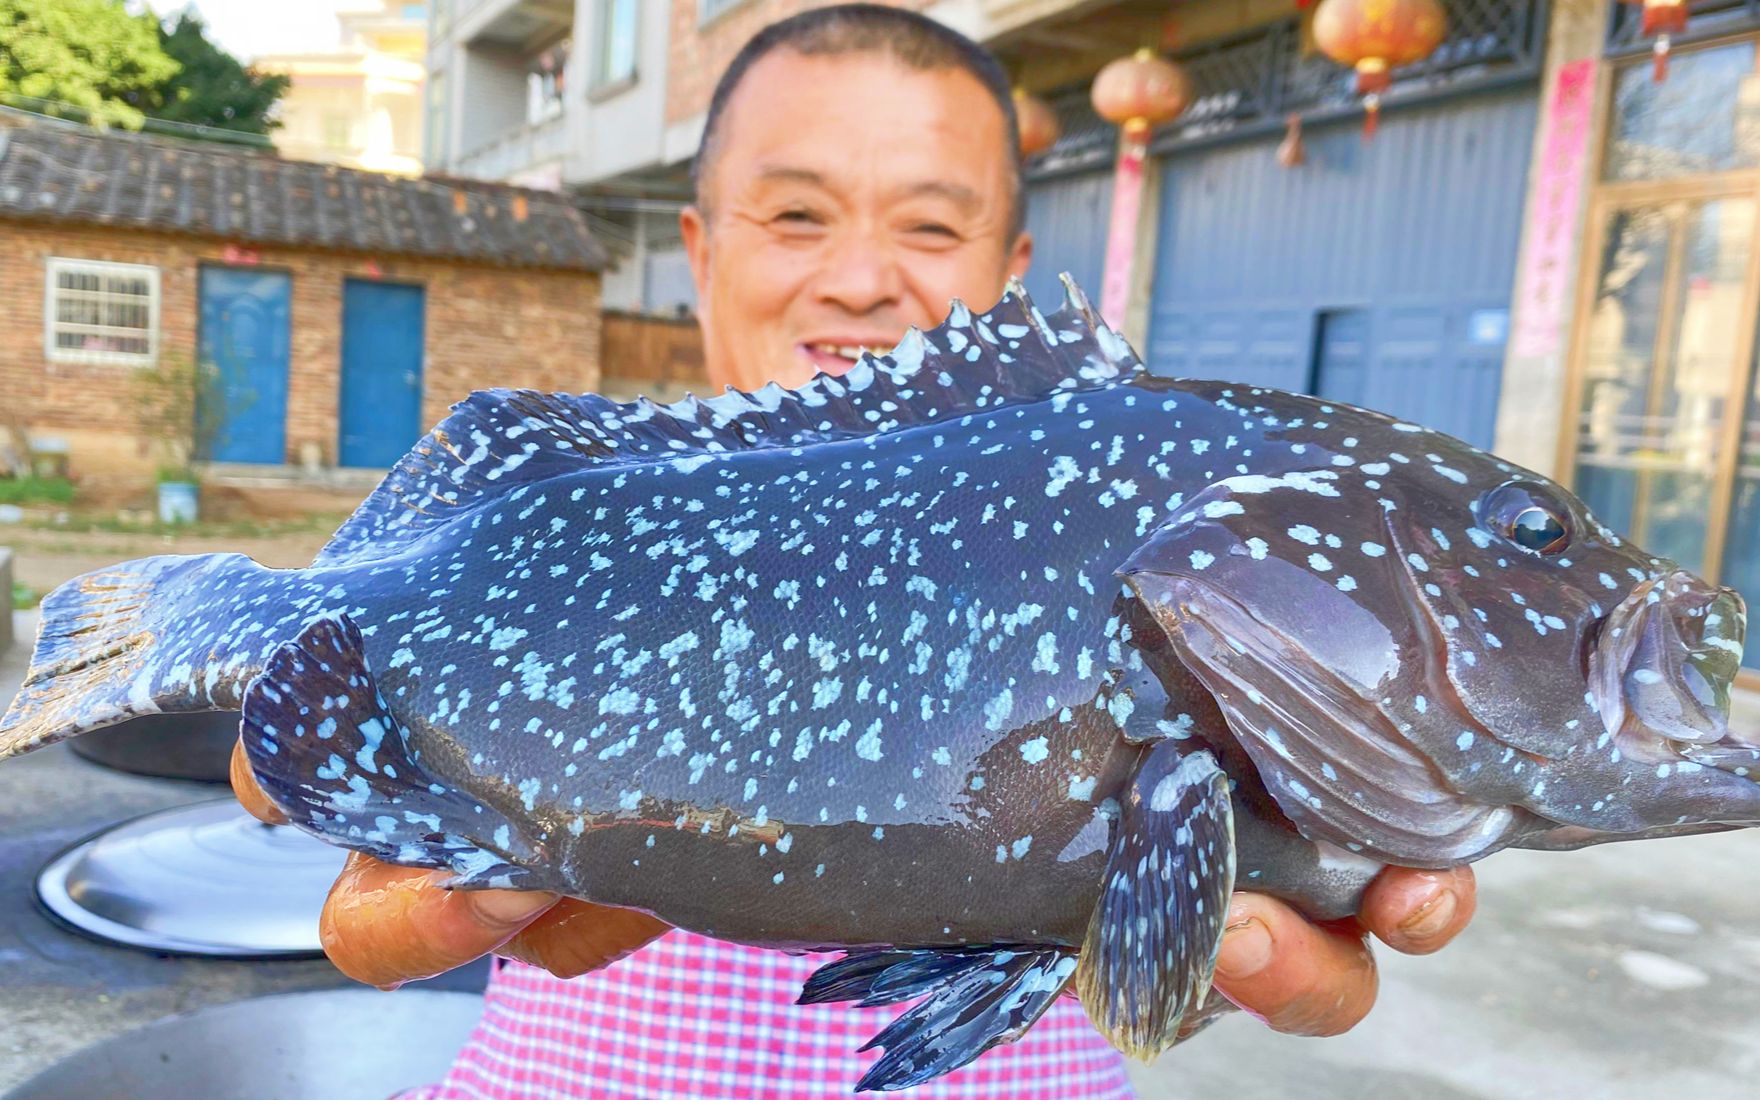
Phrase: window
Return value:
(546, 82)
(711, 9)
(338, 132)
(98, 312)
(614, 59)
(1703, 119)
(437, 130)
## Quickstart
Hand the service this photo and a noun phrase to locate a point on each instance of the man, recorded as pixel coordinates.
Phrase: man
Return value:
(823, 223)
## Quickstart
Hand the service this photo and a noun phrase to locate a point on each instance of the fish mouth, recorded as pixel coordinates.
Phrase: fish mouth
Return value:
(1664, 666)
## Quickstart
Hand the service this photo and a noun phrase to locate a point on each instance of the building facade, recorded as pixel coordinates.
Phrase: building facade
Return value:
(358, 105)
(341, 313)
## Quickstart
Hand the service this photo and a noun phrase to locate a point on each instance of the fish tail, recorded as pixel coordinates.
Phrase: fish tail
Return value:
(139, 638)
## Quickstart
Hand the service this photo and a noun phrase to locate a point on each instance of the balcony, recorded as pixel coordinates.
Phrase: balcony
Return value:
(516, 151)
(516, 23)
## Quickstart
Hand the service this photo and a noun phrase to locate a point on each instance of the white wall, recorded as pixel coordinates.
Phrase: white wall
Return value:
(618, 132)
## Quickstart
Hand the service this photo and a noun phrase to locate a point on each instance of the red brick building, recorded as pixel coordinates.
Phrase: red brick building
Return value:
(343, 311)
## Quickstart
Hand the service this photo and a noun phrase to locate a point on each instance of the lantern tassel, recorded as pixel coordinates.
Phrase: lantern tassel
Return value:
(1659, 59)
(1371, 115)
(1292, 153)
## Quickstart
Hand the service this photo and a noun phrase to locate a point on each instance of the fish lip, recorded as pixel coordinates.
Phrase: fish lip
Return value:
(1616, 657)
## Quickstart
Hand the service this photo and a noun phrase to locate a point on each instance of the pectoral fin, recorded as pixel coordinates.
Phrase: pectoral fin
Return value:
(1151, 945)
(328, 751)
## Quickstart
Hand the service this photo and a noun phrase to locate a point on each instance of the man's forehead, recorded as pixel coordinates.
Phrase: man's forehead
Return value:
(930, 186)
(799, 116)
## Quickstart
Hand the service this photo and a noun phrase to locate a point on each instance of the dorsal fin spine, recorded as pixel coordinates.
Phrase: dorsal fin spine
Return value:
(497, 439)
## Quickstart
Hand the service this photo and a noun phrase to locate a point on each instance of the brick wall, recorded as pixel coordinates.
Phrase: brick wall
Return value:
(486, 326)
(697, 54)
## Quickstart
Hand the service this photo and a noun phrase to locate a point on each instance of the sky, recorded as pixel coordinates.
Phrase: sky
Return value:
(247, 28)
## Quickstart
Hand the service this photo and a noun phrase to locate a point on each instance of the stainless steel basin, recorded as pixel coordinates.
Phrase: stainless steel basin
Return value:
(166, 746)
(353, 1044)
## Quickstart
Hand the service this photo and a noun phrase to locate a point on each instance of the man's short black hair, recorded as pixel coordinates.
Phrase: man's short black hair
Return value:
(913, 40)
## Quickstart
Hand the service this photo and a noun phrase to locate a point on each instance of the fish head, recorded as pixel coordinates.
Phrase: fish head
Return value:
(1428, 654)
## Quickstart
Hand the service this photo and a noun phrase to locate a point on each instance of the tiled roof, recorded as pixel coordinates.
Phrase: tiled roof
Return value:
(54, 173)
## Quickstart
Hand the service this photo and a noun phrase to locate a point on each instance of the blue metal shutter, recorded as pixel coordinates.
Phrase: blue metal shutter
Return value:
(1417, 230)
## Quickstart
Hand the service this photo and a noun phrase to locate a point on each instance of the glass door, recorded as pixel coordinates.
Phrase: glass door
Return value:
(1659, 366)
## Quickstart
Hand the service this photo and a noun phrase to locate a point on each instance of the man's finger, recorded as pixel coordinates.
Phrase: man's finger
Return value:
(1298, 977)
(386, 925)
(577, 937)
(1418, 912)
(248, 793)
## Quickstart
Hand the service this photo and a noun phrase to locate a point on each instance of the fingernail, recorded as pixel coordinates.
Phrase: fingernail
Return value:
(509, 907)
(390, 987)
(1246, 949)
(1430, 920)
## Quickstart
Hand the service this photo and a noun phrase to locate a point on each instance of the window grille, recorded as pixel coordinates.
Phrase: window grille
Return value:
(106, 313)
(1252, 82)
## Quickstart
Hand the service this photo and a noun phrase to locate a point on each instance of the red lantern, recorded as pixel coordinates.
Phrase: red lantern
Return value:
(1663, 19)
(1141, 92)
(1036, 122)
(1375, 37)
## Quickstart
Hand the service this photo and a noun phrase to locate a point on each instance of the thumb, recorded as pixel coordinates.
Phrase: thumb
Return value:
(386, 925)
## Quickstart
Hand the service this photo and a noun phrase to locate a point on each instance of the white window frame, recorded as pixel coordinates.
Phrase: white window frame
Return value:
(710, 10)
(51, 298)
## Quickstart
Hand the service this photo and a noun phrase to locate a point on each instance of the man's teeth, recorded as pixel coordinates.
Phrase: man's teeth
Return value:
(842, 351)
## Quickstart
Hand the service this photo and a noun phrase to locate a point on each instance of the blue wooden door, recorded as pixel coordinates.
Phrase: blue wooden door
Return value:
(1400, 251)
(1067, 217)
(245, 339)
(382, 326)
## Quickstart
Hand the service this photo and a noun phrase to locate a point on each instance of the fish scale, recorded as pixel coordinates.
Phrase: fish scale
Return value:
(993, 663)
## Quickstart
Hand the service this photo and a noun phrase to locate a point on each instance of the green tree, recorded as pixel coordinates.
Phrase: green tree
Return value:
(90, 54)
(213, 88)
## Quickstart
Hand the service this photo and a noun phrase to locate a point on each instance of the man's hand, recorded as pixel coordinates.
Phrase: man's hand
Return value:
(1310, 979)
(386, 925)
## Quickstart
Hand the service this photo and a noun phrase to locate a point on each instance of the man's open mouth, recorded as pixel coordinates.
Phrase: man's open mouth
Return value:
(836, 357)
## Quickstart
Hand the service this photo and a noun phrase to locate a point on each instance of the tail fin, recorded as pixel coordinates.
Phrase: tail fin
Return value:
(152, 636)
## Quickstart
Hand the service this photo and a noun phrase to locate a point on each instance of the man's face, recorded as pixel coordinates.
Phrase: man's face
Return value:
(850, 198)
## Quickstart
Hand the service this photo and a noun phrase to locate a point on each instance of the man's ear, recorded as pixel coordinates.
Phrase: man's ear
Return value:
(693, 227)
(1020, 255)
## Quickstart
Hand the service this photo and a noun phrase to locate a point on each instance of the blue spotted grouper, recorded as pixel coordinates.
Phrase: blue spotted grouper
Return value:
(996, 663)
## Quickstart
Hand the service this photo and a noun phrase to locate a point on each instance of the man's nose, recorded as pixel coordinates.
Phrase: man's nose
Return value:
(860, 274)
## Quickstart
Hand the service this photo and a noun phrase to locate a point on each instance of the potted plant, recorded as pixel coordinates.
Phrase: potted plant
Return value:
(178, 411)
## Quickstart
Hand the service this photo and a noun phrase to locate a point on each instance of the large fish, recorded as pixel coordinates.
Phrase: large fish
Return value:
(996, 663)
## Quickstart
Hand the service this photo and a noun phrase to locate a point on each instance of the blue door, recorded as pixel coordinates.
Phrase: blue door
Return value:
(1383, 269)
(1067, 216)
(245, 339)
(382, 326)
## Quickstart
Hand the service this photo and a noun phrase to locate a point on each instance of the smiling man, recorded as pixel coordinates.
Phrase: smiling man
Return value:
(823, 223)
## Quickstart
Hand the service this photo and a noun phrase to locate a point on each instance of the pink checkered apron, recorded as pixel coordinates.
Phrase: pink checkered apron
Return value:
(689, 1018)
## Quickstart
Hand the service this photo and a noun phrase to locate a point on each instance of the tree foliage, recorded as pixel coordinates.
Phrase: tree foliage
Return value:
(214, 88)
(117, 69)
(90, 54)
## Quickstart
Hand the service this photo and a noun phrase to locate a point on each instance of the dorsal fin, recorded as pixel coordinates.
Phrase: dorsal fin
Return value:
(496, 440)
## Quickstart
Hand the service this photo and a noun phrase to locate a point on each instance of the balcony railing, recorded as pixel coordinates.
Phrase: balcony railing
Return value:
(517, 150)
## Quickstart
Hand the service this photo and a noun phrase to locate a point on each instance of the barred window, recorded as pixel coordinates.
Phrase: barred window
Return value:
(99, 312)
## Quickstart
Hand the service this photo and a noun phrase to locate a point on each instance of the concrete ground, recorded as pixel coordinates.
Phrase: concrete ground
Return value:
(1620, 973)
(60, 991)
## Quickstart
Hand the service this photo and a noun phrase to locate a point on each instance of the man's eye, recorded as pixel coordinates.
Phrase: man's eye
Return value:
(797, 217)
(935, 229)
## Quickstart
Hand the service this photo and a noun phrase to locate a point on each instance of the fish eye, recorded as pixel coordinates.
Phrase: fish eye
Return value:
(1538, 530)
(1527, 517)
